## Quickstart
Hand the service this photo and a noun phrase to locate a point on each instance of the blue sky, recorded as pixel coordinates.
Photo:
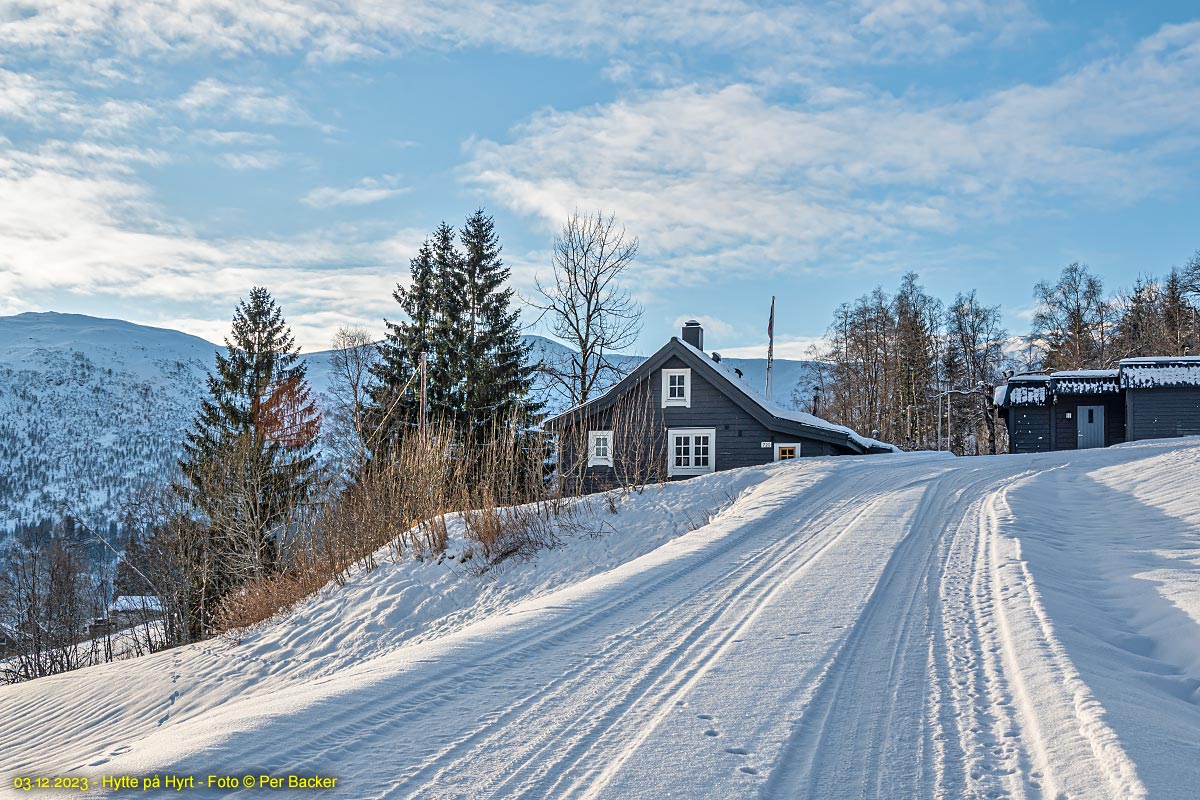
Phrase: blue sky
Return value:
(157, 160)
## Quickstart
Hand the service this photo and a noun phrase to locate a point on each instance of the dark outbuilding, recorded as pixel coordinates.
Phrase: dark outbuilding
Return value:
(1143, 398)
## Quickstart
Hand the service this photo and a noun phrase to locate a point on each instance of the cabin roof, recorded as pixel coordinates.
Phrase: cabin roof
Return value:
(771, 415)
(1160, 372)
(128, 602)
(1148, 372)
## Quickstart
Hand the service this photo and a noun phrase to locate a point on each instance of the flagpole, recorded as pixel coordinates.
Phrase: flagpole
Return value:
(770, 348)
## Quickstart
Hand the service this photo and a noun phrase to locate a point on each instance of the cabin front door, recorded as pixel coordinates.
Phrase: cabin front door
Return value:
(1090, 426)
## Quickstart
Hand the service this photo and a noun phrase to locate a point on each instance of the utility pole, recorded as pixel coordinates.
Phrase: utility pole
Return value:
(424, 370)
(950, 422)
(939, 423)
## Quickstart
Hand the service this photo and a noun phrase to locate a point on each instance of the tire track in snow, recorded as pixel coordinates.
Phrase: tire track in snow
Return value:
(678, 687)
(990, 758)
(868, 731)
(644, 671)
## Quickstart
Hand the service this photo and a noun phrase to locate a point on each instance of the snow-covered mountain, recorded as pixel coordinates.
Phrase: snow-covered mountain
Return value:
(91, 409)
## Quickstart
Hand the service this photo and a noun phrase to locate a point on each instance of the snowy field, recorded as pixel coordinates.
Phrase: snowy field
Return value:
(908, 626)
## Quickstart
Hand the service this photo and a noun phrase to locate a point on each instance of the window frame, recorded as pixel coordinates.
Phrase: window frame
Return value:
(595, 460)
(779, 445)
(691, 469)
(681, 402)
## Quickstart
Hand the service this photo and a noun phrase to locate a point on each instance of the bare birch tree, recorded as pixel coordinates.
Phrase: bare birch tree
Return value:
(977, 338)
(1073, 320)
(587, 305)
(350, 371)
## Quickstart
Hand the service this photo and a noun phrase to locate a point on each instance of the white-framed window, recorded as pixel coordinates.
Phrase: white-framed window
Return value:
(600, 448)
(785, 451)
(691, 451)
(677, 387)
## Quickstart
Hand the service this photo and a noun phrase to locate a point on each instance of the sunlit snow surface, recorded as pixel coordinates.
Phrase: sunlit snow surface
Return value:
(899, 626)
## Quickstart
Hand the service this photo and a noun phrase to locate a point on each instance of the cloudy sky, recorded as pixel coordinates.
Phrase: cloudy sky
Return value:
(159, 158)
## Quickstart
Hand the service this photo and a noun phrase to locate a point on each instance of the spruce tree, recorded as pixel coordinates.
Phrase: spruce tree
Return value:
(249, 454)
(447, 369)
(497, 375)
(458, 310)
(394, 395)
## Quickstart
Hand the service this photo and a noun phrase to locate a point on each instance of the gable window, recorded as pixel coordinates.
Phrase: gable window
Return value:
(691, 451)
(677, 387)
(599, 448)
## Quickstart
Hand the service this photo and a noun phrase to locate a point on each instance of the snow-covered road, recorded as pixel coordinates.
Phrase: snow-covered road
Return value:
(882, 627)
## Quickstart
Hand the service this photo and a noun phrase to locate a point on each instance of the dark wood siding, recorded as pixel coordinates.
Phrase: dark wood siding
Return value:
(738, 442)
(1066, 432)
(1029, 429)
(739, 435)
(1161, 413)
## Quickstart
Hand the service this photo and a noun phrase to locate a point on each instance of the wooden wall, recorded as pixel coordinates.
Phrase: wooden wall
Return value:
(1161, 413)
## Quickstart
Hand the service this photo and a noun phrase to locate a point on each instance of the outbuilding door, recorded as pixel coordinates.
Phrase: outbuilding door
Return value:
(1091, 426)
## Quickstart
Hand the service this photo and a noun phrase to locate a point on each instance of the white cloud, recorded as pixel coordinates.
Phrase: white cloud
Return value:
(799, 348)
(714, 180)
(713, 327)
(48, 103)
(216, 99)
(74, 221)
(795, 32)
(256, 159)
(368, 190)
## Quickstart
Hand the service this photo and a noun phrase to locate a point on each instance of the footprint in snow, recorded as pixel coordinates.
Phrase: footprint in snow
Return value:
(711, 732)
(748, 770)
(737, 751)
(704, 716)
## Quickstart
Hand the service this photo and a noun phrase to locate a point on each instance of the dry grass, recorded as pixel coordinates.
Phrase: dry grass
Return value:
(399, 504)
(263, 598)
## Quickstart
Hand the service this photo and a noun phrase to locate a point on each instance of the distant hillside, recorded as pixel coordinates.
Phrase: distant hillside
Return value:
(91, 409)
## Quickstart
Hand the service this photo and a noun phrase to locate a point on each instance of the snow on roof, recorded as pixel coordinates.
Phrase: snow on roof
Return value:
(1085, 381)
(781, 412)
(1095, 374)
(1161, 360)
(126, 603)
(1086, 387)
(1149, 373)
(1027, 395)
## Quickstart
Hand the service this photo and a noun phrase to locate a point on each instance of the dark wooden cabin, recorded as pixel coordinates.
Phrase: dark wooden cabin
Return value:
(1162, 397)
(682, 413)
(1143, 398)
